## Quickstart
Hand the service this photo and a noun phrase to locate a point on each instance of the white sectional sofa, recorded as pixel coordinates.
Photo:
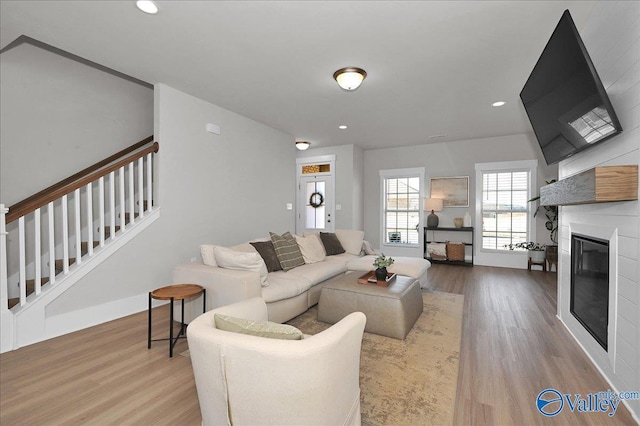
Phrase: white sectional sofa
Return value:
(289, 293)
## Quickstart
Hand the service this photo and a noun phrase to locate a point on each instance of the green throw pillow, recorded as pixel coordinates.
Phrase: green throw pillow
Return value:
(268, 329)
(287, 250)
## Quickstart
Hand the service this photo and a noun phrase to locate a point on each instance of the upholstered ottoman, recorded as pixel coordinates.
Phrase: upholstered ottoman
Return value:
(409, 266)
(391, 311)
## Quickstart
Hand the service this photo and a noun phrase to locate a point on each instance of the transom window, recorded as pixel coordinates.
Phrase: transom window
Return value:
(505, 213)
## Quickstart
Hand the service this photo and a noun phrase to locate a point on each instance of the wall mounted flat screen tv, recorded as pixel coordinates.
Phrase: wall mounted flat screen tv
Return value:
(564, 98)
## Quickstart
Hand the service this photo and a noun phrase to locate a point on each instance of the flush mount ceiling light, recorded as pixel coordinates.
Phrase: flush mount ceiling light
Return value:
(498, 104)
(302, 145)
(342, 127)
(350, 78)
(147, 6)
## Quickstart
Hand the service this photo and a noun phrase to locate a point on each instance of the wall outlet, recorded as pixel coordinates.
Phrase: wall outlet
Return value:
(289, 206)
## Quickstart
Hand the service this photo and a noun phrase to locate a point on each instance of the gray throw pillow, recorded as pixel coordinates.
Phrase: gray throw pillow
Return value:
(331, 243)
(268, 329)
(268, 253)
(287, 250)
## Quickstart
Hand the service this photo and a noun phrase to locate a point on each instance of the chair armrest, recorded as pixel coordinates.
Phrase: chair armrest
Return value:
(224, 286)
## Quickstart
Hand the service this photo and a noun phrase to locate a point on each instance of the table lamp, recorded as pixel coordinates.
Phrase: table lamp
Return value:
(435, 205)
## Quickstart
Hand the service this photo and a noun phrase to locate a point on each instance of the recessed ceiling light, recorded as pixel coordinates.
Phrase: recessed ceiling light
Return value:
(147, 6)
(499, 103)
(342, 127)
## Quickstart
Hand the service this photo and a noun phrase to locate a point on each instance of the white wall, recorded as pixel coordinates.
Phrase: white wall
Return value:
(348, 179)
(447, 159)
(221, 189)
(59, 116)
(612, 38)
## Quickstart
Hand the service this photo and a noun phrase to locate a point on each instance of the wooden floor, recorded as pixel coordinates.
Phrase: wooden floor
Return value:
(512, 348)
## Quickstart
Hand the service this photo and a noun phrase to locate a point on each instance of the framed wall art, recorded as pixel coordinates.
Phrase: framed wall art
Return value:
(454, 191)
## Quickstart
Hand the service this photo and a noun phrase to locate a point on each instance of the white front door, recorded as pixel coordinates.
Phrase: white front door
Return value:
(315, 204)
(316, 195)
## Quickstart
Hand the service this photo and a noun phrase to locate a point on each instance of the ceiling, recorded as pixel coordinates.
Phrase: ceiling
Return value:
(434, 67)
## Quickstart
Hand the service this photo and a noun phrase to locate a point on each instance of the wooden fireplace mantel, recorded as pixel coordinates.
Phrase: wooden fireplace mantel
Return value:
(598, 185)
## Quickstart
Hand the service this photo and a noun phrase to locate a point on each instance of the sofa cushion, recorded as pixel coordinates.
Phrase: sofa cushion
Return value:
(342, 259)
(287, 250)
(311, 248)
(208, 256)
(331, 243)
(231, 259)
(268, 254)
(351, 240)
(283, 285)
(268, 329)
(315, 273)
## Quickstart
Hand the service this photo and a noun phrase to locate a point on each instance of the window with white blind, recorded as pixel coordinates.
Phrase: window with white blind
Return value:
(505, 213)
(401, 195)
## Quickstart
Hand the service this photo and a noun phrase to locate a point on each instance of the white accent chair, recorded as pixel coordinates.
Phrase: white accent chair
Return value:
(249, 380)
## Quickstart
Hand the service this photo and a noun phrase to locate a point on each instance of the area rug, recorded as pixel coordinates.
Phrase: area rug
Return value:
(411, 381)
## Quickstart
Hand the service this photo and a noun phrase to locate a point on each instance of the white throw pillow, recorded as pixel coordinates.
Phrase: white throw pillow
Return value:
(231, 259)
(351, 240)
(311, 248)
(208, 257)
(366, 247)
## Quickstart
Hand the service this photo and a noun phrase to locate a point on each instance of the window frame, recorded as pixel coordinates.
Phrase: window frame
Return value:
(418, 173)
(499, 256)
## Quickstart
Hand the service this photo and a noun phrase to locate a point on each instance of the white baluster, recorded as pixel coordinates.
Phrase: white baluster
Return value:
(65, 236)
(4, 289)
(23, 262)
(132, 195)
(101, 210)
(89, 213)
(78, 232)
(52, 245)
(112, 203)
(37, 252)
(121, 175)
(149, 181)
(141, 186)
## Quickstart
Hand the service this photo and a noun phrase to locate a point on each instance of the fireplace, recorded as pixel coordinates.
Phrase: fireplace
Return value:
(590, 285)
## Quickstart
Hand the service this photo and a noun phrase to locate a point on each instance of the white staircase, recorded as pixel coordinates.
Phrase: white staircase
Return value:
(51, 240)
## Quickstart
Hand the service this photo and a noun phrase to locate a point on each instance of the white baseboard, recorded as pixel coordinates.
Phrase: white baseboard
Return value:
(69, 322)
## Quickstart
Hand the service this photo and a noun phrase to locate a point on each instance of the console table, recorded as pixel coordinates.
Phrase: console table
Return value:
(436, 237)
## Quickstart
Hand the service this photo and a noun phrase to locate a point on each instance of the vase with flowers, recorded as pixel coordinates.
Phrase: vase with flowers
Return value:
(381, 263)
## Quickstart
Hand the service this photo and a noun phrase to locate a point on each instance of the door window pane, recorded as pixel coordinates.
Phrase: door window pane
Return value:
(315, 207)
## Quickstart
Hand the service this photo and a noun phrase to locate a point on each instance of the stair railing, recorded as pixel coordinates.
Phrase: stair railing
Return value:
(131, 185)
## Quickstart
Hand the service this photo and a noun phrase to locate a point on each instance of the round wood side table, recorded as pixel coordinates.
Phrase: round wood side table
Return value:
(172, 293)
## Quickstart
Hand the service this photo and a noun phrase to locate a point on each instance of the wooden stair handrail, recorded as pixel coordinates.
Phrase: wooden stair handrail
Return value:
(79, 179)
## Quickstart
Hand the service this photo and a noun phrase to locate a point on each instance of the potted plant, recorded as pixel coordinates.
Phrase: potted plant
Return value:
(381, 262)
(535, 250)
(551, 212)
